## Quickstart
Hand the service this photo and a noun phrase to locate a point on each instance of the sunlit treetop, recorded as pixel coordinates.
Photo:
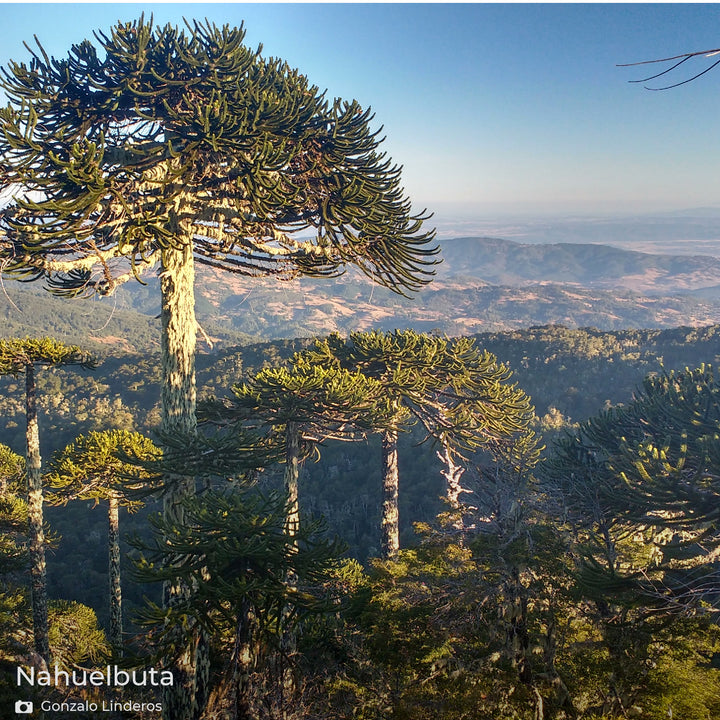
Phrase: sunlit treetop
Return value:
(17, 353)
(460, 393)
(159, 137)
(96, 465)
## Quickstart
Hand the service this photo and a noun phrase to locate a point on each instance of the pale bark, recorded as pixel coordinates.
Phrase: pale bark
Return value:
(114, 574)
(186, 698)
(390, 521)
(36, 535)
(292, 475)
(178, 341)
(452, 474)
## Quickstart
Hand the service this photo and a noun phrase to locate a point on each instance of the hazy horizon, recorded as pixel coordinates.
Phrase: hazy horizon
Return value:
(508, 108)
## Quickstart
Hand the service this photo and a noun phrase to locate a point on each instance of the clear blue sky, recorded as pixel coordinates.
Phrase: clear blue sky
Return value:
(490, 108)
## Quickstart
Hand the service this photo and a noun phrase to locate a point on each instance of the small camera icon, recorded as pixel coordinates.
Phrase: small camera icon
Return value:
(23, 707)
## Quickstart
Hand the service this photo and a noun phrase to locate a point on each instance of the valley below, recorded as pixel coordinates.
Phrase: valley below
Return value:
(484, 284)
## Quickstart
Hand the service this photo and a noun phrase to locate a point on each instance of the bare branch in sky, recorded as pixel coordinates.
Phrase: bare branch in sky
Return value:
(682, 58)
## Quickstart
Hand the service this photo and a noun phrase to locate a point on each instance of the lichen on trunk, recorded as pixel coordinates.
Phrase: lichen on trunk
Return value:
(391, 481)
(36, 535)
(186, 698)
(178, 340)
(114, 574)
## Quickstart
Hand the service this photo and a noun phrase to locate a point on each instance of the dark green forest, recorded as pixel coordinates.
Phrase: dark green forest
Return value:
(433, 630)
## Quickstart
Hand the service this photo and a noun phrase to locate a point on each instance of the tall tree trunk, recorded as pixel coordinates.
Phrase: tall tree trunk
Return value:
(452, 474)
(292, 475)
(188, 695)
(114, 574)
(232, 697)
(288, 641)
(178, 341)
(390, 522)
(38, 572)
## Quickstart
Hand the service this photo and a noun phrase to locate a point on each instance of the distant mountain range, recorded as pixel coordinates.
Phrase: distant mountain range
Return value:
(483, 284)
(504, 262)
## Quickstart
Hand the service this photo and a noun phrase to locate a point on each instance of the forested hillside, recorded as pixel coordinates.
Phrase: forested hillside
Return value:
(570, 374)
(482, 285)
(310, 466)
(576, 371)
(504, 262)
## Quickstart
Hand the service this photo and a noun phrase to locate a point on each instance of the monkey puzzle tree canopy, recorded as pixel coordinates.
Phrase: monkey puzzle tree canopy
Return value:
(161, 139)
(645, 479)
(16, 354)
(165, 146)
(458, 393)
(95, 467)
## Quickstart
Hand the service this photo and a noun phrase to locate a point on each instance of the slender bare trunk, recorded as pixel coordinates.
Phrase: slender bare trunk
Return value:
(292, 475)
(452, 474)
(292, 525)
(390, 522)
(38, 572)
(114, 574)
(188, 695)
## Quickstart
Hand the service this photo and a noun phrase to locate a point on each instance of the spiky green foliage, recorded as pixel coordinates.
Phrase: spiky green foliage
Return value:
(644, 481)
(96, 466)
(323, 401)
(13, 511)
(12, 470)
(156, 137)
(231, 452)
(459, 393)
(13, 555)
(232, 548)
(234, 553)
(165, 146)
(306, 405)
(17, 353)
(75, 638)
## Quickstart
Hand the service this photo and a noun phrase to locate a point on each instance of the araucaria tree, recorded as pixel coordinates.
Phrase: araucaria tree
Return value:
(457, 392)
(644, 480)
(307, 404)
(18, 356)
(165, 147)
(233, 547)
(639, 489)
(98, 466)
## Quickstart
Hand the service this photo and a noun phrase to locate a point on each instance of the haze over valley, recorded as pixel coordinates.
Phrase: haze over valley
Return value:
(609, 273)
